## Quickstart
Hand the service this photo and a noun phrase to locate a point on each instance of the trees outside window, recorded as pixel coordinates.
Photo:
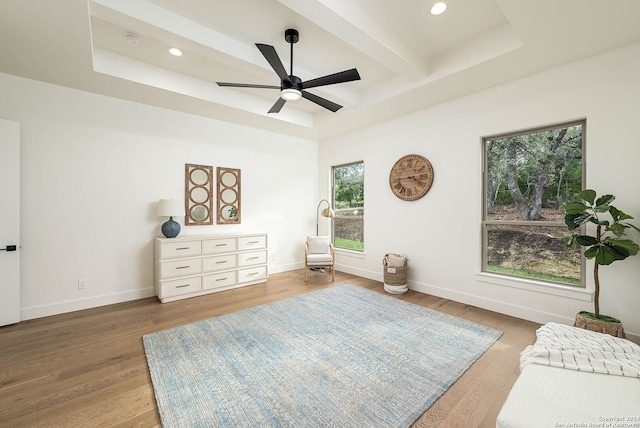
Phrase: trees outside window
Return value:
(348, 203)
(528, 178)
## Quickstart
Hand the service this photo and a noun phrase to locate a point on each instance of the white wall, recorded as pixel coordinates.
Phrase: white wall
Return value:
(93, 169)
(441, 232)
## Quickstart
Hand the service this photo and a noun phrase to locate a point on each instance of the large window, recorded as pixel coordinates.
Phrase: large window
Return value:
(348, 203)
(529, 176)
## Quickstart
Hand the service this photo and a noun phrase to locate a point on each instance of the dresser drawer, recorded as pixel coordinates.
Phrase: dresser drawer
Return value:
(252, 258)
(251, 242)
(218, 280)
(180, 268)
(213, 263)
(218, 245)
(252, 274)
(195, 265)
(177, 287)
(171, 249)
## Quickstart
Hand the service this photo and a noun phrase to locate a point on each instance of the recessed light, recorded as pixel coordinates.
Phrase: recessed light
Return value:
(438, 8)
(175, 51)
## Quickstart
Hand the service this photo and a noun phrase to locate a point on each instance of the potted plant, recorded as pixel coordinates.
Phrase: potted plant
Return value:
(609, 244)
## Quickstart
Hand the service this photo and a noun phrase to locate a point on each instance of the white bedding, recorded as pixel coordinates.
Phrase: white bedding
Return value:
(563, 346)
(575, 378)
(546, 396)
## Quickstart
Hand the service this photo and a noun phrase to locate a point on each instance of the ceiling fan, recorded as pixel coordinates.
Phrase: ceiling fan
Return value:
(292, 87)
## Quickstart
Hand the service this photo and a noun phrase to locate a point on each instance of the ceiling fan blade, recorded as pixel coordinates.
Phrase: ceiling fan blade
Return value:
(329, 105)
(270, 54)
(332, 79)
(247, 85)
(277, 106)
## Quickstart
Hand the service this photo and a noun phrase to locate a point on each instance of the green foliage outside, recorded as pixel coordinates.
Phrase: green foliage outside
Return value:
(348, 189)
(529, 178)
(534, 170)
(348, 182)
(349, 244)
(535, 275)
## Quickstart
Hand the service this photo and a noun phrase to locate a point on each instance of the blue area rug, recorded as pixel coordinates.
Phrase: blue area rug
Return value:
(343, 356)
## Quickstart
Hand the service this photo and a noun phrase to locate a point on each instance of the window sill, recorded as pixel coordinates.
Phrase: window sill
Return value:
(350, 253)
(537, 286)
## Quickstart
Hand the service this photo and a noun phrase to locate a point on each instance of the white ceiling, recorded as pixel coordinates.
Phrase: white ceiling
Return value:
(407, 58)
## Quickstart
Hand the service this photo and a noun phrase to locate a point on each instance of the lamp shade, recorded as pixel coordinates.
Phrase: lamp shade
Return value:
(170, 208)
(327, 212)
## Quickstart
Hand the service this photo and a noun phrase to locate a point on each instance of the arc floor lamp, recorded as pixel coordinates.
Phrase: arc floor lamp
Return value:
(327, 212)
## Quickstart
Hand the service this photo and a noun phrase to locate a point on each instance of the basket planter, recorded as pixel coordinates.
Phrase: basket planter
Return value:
(613, 327)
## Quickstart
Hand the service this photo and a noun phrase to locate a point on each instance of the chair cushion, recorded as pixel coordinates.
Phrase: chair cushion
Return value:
(318, 244)
(319, 259)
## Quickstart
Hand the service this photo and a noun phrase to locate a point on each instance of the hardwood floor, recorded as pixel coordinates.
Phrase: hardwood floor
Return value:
(88, 368)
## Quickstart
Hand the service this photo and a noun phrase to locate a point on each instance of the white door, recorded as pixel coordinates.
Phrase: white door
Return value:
(9, 222)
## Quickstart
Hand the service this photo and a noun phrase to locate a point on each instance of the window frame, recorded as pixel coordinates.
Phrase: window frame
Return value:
(484, 223)
(333, 203)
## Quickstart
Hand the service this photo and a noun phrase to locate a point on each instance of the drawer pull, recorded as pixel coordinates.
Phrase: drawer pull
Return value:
(182, 286)
(221, 279)
(221, 262)
(252, 242)
(221, 245)
(183, 248)
(183, 267)
(253, 258)
(253, 273)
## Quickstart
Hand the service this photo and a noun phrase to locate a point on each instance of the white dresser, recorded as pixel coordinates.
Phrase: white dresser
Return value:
(190, 266)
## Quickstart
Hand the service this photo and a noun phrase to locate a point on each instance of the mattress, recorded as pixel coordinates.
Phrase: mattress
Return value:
(545, 396)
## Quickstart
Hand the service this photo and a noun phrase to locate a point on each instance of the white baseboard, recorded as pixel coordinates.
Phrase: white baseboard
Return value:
(285, 268)
(376, 276)
(468, 299)
(505, 308)
(490, 304)
(86, 303)
(501, 307)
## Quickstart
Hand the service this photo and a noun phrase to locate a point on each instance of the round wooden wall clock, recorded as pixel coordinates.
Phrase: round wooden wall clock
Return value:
(411, 177)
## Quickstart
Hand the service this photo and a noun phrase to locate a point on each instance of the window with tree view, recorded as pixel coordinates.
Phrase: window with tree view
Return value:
(348, 203)
(529, 176)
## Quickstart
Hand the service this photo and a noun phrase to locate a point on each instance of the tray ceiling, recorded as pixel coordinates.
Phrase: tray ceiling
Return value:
(407, 58)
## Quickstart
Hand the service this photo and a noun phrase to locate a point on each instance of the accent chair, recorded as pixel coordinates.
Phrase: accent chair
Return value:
(319, 254)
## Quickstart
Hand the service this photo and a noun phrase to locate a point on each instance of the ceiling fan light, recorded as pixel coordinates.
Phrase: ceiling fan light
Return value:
(290, 94)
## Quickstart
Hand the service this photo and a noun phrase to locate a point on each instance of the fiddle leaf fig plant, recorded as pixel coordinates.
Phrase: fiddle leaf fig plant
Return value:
(610, 242)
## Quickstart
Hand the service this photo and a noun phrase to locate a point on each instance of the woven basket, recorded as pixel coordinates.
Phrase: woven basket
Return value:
(394, 275)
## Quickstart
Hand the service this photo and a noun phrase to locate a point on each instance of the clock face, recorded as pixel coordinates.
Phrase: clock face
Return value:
(411, 177)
